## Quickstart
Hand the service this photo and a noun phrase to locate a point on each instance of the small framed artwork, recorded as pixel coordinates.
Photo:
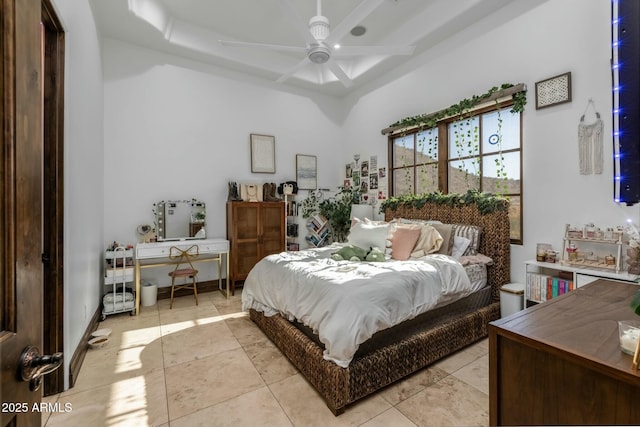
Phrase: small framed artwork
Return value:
(306, 172)
(263, 153)
(553, 91)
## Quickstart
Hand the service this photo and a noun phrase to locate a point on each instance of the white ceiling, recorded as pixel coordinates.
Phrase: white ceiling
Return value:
(193, 28)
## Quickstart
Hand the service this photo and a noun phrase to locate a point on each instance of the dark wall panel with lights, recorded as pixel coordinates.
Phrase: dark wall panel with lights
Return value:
(625, 65)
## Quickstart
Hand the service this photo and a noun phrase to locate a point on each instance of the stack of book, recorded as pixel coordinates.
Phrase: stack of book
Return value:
(318, 230)
(542, 287)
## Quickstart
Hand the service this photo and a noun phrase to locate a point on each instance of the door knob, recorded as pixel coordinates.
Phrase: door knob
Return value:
(33, 366)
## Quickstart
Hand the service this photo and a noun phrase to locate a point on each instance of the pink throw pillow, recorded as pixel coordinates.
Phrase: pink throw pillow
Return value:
(403, 240)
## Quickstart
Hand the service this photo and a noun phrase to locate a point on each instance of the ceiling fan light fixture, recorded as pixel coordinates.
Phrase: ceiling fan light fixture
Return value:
(319, 27)
(319, 54)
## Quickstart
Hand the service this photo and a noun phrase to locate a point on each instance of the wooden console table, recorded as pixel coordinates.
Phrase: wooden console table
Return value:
(157, 254)
(560, 362)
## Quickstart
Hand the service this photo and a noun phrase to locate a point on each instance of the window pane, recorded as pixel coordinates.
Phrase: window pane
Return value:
(403, 151)
(427, 142)
(515, 213)
(501, 173)
(464, 138)
(506, 124)
(402, 181)
(462, 176)
(427, 179)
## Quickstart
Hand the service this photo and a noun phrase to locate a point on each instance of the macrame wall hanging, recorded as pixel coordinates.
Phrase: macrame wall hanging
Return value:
(590, 143)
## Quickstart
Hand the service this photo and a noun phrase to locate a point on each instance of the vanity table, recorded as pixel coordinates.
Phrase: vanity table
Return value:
(156, 254)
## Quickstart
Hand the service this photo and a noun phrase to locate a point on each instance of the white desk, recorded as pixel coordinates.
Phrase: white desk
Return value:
(157, 254)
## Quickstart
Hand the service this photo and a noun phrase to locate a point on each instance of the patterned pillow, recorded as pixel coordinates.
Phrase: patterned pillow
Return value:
(471, 232)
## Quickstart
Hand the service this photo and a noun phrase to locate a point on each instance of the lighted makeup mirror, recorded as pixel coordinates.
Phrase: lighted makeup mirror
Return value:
(180, 220)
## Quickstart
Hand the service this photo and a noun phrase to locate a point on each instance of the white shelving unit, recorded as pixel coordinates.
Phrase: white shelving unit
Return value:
(291, 223)
(119, 295)
(318, 230)
(578, 275)
(606, 248)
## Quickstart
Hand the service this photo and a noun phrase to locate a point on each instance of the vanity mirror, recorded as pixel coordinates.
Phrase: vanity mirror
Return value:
(180, 220)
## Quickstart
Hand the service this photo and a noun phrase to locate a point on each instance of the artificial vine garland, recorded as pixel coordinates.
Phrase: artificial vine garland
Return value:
(431, 120)
(487, 202)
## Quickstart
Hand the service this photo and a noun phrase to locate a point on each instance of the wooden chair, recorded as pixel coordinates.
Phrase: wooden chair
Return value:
(184, 268)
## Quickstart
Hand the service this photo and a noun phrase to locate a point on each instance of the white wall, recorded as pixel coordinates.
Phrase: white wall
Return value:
(550, 38)
(83, 172)
(177, 130)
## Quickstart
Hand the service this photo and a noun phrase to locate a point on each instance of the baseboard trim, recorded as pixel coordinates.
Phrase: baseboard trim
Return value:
(81, 350)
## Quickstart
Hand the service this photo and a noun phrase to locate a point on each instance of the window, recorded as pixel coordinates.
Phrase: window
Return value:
(481, 151)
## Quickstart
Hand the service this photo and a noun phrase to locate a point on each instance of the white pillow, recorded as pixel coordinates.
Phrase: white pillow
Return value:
(368, 236)
(460, 244)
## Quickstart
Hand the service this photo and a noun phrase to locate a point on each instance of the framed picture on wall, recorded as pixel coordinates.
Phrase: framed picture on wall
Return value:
(306, 172)
(553, 91)
(263, 153)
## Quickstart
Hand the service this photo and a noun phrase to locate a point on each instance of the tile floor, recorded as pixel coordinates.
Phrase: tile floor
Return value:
(211, 366)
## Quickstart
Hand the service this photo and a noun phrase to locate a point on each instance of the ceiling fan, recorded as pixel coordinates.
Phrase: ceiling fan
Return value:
(321, 42)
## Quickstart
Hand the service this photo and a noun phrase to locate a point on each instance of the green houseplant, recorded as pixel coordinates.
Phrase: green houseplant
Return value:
(337, 210)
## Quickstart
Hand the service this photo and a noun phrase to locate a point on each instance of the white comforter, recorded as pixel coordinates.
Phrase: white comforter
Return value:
(346, 302)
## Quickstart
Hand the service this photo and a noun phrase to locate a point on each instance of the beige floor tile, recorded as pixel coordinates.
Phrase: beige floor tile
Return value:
(245, 331)
(148, 310)
(390, 417)
(210, 365)
(186, 301)
(449, 402)
(476, 374)
(463, 357)
(219, 296)
(135, 401)
(111, 364)
(255, 408)
(304, 406)
(176, 320)
(46, 414)
(404, 389)
(124, 322)
(195, 385)
(233, 305)
(272, 365)
(197, 342)
(121, 339)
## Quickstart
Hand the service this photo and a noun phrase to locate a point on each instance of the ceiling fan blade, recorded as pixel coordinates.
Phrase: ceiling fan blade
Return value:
(339, 73)
(356, 16)
(279, 47)
(373, 50)
(293, 70)
(298, 22)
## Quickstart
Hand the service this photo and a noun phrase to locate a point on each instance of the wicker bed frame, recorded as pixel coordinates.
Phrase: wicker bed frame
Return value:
(418, 345)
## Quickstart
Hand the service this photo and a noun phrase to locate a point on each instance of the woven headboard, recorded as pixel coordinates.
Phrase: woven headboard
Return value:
(494, 242)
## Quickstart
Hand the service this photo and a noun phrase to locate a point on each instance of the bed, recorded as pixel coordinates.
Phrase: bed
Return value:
(394, 353)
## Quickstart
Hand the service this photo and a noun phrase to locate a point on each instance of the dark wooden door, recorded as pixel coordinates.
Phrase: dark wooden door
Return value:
(21, 272)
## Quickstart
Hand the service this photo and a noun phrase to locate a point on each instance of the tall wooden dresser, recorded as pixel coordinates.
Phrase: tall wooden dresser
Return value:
(254, 230)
